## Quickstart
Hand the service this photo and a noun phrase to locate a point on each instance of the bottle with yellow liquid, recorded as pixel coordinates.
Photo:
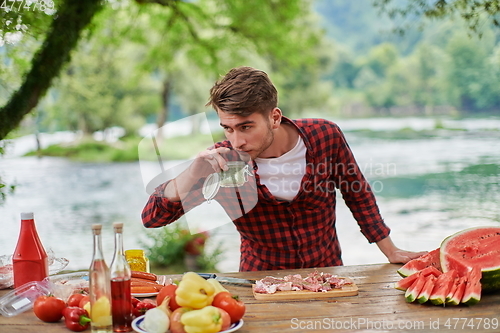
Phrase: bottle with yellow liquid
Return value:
(100, 288)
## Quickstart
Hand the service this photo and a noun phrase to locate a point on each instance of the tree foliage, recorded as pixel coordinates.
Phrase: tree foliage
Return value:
(207, 35)
(475, 13)
(72, 17)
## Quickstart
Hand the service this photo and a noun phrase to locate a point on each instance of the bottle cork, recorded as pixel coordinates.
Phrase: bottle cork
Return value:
(96, 229)
(118, 226)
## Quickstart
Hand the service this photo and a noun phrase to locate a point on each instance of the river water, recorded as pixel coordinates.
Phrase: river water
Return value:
(432, 178)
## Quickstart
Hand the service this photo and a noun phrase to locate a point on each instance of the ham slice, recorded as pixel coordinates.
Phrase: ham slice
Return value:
(315, 281)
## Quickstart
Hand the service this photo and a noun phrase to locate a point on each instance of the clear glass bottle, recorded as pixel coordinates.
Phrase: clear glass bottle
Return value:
(120, 285)
(29, 261)
(100, 287)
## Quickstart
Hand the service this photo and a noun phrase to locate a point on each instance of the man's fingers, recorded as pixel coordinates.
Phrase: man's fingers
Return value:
(215, 159)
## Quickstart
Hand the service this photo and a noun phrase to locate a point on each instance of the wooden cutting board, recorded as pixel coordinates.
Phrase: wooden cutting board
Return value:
(346, 290)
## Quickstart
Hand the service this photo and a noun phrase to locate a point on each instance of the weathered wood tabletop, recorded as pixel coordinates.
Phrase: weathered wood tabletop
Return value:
(378, 307)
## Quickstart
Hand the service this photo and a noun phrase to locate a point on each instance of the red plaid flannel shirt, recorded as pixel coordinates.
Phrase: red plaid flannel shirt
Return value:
(301, 233)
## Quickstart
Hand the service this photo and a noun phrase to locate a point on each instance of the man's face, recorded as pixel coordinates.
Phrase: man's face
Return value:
(252, 134)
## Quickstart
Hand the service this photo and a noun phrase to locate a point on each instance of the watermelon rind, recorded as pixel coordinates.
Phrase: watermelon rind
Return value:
(490, 280)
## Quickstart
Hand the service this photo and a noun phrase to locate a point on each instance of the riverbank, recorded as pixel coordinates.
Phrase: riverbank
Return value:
(122, 150)
(125, 149)
(427, 188)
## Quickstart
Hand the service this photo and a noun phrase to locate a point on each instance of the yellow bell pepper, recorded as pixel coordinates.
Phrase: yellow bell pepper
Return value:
(194, 291)
(206, 320)
(218, 287)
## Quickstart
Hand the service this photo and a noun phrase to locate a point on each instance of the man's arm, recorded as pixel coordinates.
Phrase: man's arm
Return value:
(172, 199)
(205, 163)
(394, 254)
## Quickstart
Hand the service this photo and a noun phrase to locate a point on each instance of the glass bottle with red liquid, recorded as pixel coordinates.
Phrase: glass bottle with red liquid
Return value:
(120, 285)
(99, 287)
(29, 261)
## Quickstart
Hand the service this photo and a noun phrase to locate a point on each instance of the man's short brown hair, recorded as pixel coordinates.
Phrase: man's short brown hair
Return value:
(243, 91)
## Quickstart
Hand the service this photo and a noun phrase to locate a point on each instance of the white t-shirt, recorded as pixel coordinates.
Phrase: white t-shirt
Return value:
(283, 175)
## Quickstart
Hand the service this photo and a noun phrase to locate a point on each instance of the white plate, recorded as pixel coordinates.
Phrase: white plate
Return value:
(138, 325)
(144, 294)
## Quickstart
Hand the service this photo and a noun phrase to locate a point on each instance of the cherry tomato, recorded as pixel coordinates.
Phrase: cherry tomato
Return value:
(168, 290)
(74, 300)
(134, 301)
(143, 306)
(226, 320)
(135, 312)
(49, 308)
(231, 304)
(175, 320)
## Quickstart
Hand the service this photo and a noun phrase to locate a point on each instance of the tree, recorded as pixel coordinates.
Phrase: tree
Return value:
(475, 13)
(470, 72)
(211, 36)
(66, 29)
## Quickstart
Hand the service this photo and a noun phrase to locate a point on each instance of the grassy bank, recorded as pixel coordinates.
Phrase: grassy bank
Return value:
(126, 149)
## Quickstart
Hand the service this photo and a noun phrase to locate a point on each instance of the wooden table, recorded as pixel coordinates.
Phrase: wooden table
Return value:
(378, 307)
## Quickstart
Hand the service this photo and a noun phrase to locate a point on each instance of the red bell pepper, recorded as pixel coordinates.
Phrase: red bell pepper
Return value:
(76, 319)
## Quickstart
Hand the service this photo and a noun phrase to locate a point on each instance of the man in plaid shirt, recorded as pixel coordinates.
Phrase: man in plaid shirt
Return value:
(297, 165)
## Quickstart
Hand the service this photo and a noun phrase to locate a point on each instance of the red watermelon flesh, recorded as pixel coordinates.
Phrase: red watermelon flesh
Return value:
(472, 293)
(475, 247)
(406, 282)
(426, 291)
(441, 287)
(453, 288)
(459, 292)
(432, 258)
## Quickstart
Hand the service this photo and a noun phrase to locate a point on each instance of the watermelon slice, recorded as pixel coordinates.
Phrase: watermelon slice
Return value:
(412, 293)
(454, 286)
(475, 247)
(472, 293)
(430, 259)
(459, 292)
(441, 287)
(426, 291)
(406, 282)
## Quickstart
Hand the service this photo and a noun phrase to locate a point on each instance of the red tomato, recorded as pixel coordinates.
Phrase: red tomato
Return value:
(49, 308)
(168, 290)
(175, 320)
(226, 320)
(74, 300)
(134, 301)
(143, 306)
(231, 304)
(85, 299)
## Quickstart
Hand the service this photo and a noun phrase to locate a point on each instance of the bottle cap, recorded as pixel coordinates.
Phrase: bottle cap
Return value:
(96, 228)
(27, 216)
(118, 226)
